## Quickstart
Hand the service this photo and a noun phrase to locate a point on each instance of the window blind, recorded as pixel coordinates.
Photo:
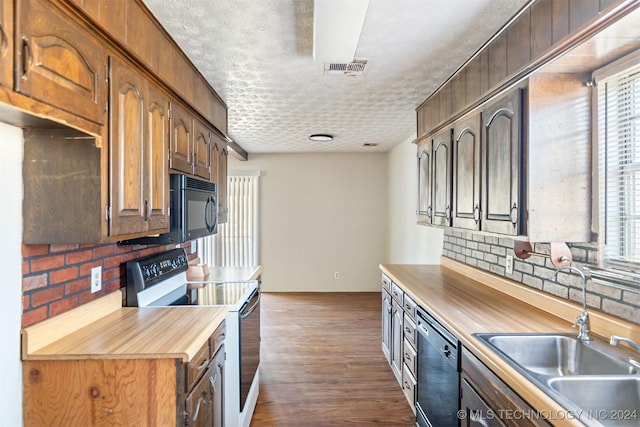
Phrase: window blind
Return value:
(236, 243)
(619, 169)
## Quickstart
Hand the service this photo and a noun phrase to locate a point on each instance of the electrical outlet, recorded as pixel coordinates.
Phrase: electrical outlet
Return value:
(508, 264)
(336, 275)
(96, 279)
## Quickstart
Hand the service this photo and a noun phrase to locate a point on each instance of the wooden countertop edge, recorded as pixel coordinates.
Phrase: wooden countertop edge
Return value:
(41, 334)
(554, 306)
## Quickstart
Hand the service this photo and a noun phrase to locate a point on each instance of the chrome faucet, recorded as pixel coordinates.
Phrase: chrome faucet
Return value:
(582, 321)
(615, 339)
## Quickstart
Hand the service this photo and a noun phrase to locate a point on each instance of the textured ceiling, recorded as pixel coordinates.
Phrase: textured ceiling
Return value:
(257, 54)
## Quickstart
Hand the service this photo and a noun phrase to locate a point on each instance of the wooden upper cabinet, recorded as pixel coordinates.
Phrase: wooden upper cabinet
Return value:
(128, 210)
(138, 154)
(181, 158)
(466, 172)
(442, 178)
(202, 150)
(425, 163)
(501, 158)
(156, 157)
(6, 44)
(190, 143)
(58, 62)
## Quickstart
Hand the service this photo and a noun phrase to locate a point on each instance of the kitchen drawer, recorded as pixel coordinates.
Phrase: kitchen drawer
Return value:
(197, 366)
(397, 293)
(409, 387)
(409, 307)
(410, 330)
(386, 283)
(410, 357)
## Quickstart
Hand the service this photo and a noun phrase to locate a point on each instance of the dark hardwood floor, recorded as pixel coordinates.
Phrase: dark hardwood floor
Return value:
(322, 363)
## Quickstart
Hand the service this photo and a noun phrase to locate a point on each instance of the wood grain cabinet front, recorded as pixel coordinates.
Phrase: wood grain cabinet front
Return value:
(58, 62)
(190, 143)
(139, 135)
(6, 44)
(442, 178)
(502, 210)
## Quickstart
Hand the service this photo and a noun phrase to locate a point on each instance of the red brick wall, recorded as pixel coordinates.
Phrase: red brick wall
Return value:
(56, 278)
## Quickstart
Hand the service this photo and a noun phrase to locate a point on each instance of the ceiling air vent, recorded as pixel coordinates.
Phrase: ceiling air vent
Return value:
(355, 68)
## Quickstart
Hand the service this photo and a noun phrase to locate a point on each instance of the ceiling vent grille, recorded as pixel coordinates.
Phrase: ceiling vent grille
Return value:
(355, 68)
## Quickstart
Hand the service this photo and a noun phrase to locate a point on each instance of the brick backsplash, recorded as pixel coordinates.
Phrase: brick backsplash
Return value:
(56, 278)
(488, 253)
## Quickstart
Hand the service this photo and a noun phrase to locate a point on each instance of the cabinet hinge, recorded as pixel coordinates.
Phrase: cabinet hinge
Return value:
(591, 83)
(107, 213)
(186, 419)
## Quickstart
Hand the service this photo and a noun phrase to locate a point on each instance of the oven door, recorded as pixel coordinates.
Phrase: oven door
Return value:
(249, 318)
(200, 213)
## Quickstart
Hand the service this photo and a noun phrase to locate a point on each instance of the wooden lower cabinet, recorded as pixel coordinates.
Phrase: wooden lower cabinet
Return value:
(487, 401)
(92, 392)
(127, 392)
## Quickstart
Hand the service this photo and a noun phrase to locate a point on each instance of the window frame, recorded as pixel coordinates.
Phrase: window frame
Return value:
(604, 273)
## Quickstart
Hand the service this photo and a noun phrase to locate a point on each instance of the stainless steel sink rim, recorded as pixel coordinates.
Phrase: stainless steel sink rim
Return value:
(547, 381)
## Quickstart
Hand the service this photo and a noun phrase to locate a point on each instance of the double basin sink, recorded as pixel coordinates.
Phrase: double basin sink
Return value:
(595, 382)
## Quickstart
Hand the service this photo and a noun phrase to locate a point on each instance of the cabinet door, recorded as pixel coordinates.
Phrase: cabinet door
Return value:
(201, 150)
(128, 210)
(223, 202)
(156, 162)
(501, 165)
(442, 178)
(216, 384)
(215, 158)
(386, 325)
(477, 412)
(181, 139)
(6, 44)
(58, 62)
(425, 162)
(396, 340)
(198, 404)
(466, 173)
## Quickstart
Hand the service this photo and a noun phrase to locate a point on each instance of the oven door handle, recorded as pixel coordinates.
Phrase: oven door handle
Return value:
(246, 313)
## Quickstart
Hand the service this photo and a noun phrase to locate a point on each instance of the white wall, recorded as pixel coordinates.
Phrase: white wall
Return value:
(321, 213)
(409, 243)
(11, 275)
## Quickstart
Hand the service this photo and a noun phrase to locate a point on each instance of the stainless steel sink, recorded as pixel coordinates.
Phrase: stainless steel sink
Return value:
(616, 401)
(557, 355)
(594, 380)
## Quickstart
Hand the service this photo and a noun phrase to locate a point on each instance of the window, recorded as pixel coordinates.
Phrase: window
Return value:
(236, 243)
(618, 111)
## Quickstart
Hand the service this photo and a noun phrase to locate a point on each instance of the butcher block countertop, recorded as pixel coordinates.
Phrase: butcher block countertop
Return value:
(103, 329)
(466, 301)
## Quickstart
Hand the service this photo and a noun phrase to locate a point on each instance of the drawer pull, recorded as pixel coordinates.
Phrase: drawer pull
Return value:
(203, 365)
(407, 357)
(408, 330)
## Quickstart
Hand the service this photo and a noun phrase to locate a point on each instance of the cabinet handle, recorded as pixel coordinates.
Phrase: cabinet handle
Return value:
(203, 365)
(4, 38)
(447, 212)
(26, 57)
(476, 213)
(514, 218)
(407, 357)
(146, 210)
(200, 402)
(407, 330)
(429, 213)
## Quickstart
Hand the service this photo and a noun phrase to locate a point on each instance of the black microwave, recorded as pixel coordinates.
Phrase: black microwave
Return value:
(193, 212)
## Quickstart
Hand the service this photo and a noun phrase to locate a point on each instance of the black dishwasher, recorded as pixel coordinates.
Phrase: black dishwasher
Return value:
(438, 368)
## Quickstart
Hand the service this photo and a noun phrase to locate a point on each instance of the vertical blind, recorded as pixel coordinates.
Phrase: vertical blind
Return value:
(236, 243)
(238, 238)
(619, 168)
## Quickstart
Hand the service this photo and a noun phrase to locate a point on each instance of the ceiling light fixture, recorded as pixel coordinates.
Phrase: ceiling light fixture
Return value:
(321, 137)
(337, 25)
